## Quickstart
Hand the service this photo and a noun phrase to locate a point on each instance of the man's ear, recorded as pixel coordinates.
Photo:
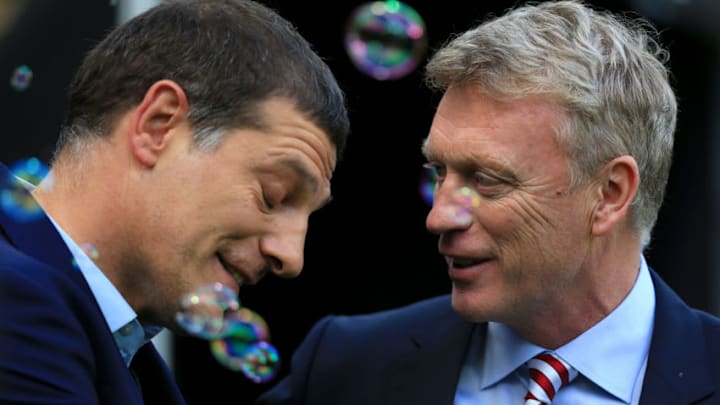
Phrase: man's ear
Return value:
(164, 107)
(618, 185)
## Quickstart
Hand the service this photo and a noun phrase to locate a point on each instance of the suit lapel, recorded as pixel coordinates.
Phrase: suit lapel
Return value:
(429, 370)
(38, 237)
(678, 370)
(154, 378)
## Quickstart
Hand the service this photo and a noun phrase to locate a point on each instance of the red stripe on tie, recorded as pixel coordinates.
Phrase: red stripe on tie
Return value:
(557, 365)
(543, 382)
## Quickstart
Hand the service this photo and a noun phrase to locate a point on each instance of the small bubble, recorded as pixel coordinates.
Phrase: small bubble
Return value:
(15, 198)
(459, 215)
(247, 324)
(258, 361)
(461, 208)
(261, 362)
(90, 250)
(428, 182)
(385, 39)
(32, 170)
(466, 197)
(202, 313)
(21, 78)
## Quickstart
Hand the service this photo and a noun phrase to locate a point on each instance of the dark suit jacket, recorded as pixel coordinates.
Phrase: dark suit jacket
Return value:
(414, 355)
(55, 347)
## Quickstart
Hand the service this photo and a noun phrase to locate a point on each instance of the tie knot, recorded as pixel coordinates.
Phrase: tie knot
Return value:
(548, 373)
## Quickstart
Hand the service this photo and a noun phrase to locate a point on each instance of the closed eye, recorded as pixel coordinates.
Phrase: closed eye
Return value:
(268, 204)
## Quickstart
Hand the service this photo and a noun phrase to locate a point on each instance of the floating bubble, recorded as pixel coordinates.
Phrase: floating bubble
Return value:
(466, 197)
(244, 346)
(202, 313)
(32, 170)
(21, 78)
(461, 208)
(230, 352)
(237, 335)
(247, 325)
(15, 198)
(428, 182)
(259, 361)
(90, 250)
(385, 39)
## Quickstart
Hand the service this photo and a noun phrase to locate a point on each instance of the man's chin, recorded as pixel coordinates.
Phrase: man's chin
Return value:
(470, 306)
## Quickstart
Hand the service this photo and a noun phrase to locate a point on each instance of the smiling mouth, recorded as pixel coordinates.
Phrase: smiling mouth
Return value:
(464, 262)
(239, 279)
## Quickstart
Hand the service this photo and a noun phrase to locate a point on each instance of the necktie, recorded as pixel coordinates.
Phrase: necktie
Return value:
(548, 373)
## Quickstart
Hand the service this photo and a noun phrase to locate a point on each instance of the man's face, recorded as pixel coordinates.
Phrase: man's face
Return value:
(525, 235)
(233, 214)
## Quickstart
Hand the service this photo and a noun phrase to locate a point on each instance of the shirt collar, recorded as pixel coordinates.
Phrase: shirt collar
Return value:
(132, 336)
(612, 364)
(128, 332)
(504, 352)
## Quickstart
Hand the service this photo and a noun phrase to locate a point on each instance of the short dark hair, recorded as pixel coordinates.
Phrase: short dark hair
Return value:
(228, 56)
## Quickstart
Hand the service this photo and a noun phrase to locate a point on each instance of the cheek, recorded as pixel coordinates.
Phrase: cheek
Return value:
(515, 223)
(527, 234)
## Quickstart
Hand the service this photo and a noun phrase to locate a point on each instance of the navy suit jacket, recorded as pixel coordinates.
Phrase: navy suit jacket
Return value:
(55, 346)
(414, 355)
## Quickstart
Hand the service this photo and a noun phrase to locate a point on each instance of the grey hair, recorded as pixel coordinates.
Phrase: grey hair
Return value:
(608, 72)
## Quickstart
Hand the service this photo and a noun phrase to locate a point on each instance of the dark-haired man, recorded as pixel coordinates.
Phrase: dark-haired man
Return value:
(199, 138)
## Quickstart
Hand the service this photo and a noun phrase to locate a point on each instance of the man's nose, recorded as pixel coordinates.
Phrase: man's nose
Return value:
(453, 208)
(285, 248)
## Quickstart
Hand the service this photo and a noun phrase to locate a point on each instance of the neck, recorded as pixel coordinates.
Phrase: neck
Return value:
(604, 280)
(83, 198)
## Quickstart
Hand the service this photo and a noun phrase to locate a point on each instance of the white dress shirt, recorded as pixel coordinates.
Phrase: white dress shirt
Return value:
(610, 357)
(122, 320)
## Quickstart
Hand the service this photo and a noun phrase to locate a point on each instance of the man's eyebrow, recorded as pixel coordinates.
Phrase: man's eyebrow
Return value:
(301, 169)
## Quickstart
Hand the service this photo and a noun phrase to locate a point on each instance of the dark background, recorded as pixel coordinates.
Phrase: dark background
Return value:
(369, 250)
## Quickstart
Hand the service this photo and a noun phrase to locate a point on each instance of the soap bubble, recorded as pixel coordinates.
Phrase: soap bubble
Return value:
(385, 39)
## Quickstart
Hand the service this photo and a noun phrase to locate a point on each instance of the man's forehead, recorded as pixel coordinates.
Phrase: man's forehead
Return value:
(446, 129)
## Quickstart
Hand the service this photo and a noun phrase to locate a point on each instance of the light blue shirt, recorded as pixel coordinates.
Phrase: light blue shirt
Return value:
(610, 357)
(122, 320)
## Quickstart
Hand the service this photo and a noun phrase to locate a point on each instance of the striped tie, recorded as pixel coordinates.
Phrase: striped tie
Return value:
(548, 373)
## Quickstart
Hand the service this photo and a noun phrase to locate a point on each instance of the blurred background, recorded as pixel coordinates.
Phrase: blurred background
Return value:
(369, 250)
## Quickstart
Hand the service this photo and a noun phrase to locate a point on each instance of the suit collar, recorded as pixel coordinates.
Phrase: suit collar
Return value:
(155, 379)
(678, 369)
(35, 237)
(428, 371)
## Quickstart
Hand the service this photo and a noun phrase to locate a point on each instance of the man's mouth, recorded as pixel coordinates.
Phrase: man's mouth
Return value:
(235, 273)
(463, 262)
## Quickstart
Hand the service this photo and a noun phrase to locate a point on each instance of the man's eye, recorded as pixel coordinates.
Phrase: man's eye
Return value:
(484, 180)
(267, 202)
